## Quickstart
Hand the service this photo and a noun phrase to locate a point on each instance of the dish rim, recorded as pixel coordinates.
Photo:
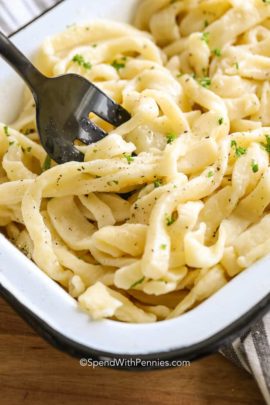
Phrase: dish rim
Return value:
(194, 352)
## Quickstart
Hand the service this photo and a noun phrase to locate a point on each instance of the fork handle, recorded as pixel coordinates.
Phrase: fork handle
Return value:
(21, 64)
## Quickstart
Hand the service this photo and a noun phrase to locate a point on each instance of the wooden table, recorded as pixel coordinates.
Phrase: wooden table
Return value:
(32, 372)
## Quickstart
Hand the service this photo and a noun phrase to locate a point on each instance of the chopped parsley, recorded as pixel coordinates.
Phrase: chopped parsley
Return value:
(266, 1)
(205, 82)
(6, 131)
(163, 246)
(170, 219)
(205, 24)
(129, 158)
(119, 64)
(28, 149)
(267, 144)
(47, 164)
(11, 143)
(171, 137)
(254, 166)
(180, 74)
(239, 150)
(210, 174)
(220, 121)
(237, 65)
(217, 52)
(81, 61)
(205, 37)
(158, 183)
(27, 131)
(137, 282)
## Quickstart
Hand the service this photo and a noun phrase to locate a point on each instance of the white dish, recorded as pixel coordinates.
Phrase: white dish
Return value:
(47, 306)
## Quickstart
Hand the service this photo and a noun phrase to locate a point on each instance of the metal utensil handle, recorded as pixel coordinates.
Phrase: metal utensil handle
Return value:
(20, 63)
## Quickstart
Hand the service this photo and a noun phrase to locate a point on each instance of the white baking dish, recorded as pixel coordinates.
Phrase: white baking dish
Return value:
(54, 313)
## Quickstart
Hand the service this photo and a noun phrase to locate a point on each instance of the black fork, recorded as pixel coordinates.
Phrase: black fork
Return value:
(62, 107)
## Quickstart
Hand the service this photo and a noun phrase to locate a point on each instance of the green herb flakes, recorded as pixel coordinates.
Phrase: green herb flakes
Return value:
(129, 158)
(267, 144)
(119, 64)
(171, 137)
(254, 166)
(81, 61)
(205, 82)
(170, 219)
(47, 164)
(137, 282)
(205, 37)
(217, 52)
(6, 131)
(158, 183)
(239, 150)
(27, 131)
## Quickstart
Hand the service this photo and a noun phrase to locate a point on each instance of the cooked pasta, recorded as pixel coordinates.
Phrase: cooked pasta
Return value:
(171, 205)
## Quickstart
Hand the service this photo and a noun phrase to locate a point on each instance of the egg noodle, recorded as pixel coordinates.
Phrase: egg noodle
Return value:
(171, 205)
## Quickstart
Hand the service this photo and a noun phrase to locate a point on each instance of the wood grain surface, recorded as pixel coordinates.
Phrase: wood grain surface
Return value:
(32, 372)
